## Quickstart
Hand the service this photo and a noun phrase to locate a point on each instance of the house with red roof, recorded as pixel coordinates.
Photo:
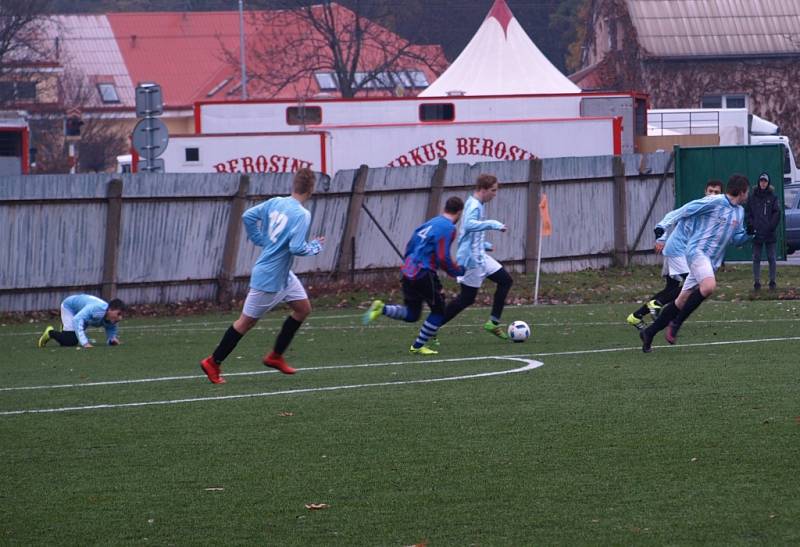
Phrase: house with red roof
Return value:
(98, 60)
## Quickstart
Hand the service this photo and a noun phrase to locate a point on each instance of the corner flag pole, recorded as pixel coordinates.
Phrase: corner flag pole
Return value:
(538, 264)
(545, 229)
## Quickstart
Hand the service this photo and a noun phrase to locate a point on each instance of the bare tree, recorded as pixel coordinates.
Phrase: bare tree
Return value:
(22, 44)
(352, 43)
(100, 140)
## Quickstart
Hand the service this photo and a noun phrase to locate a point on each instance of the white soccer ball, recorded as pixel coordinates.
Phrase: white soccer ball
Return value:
(519, 331)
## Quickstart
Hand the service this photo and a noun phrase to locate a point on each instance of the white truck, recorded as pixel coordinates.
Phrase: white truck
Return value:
(735, 126)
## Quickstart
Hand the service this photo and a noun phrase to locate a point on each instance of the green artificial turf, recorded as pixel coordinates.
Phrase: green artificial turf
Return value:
(696, 444)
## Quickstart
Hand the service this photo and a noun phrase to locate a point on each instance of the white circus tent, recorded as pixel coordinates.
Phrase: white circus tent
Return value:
(500, 60)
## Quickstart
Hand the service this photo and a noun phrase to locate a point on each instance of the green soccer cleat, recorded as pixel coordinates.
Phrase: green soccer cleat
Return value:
(375, 310)
(424, 350)
(654, 308)
(635, 322)
(433, 342)
(45, 337)
(497, 330)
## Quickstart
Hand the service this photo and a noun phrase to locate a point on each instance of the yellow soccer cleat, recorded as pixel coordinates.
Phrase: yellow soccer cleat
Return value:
(375, 310)
(45, 337)
(635, 322)
(424, 350)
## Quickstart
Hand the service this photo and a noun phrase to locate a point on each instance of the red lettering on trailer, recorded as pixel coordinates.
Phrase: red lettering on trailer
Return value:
(461, 146)
(429, 151)
(260, 164)
(247, 164)
(441, 148)
(488, 144)
(415, 157)
(473, 145)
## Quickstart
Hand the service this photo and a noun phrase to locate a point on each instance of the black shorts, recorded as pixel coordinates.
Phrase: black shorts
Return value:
(425, 288)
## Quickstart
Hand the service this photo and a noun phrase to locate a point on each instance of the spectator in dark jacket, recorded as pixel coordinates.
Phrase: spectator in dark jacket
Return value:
(762, 216)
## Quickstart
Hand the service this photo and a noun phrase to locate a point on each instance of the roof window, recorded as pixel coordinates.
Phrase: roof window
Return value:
(108, 93)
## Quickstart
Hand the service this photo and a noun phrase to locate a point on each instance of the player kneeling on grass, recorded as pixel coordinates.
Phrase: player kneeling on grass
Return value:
(427, 251)
(279, 225)
(84, 310)
(711, 223)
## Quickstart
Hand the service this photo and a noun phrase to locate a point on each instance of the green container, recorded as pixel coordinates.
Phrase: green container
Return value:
(695, 166)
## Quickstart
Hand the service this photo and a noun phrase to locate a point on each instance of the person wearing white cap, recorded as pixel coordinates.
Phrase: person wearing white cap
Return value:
(762, 215)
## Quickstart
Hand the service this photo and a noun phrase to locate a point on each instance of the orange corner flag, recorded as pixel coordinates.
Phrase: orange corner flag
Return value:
(544, 211)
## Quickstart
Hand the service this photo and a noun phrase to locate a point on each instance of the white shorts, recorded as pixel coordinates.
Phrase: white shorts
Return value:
(67, 320)
(258, 302)
(675, 266)
(474, 277)
(699, 268)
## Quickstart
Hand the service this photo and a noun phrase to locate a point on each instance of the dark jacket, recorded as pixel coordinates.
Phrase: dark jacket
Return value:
(763, 213)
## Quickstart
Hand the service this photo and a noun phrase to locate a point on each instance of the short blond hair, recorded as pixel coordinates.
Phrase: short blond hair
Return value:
(304, 181)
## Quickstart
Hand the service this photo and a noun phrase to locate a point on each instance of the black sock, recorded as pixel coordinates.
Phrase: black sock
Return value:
(504, 283)
(67, 338)
(227, 344)
(464, 299)
(667, 314)
(669, 293)
(642, 311)
(288, 329)
(692, 303)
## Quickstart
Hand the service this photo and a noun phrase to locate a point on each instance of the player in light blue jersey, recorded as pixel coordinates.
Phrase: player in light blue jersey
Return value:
(280, 226)
(712, 223)
(478, 265)
(80, 311)
(675, 268)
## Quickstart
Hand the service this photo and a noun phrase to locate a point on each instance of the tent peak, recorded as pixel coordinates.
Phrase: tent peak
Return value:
(502, 13)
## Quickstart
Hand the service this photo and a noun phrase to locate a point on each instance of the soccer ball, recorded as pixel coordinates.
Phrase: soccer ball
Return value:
(519, 331)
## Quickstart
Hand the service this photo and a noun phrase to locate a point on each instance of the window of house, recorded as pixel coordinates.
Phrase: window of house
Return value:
(418, 78)
(737, 100)
(108, 93)
(26, 91)
(326, 81)
(304, 115)
(437, 112)
(192, 154)
(18, 91)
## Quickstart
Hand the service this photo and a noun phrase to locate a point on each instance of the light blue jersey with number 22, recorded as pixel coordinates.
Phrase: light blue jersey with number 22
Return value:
(279, 225)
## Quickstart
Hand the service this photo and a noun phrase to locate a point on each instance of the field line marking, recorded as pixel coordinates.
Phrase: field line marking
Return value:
(530, 364)
(260, 372)
(396, 363)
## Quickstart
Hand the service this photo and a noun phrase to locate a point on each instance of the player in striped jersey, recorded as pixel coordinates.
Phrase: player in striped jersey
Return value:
(84, 310)
(478, 265)
(427, 251)
(674, 271)
(711, 223)
(279, 225)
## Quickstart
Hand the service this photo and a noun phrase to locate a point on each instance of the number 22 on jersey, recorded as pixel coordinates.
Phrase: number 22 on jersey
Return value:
(277, 223)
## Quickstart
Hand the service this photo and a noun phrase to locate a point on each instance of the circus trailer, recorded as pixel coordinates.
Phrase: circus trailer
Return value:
(379, 113)
(393, 145)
